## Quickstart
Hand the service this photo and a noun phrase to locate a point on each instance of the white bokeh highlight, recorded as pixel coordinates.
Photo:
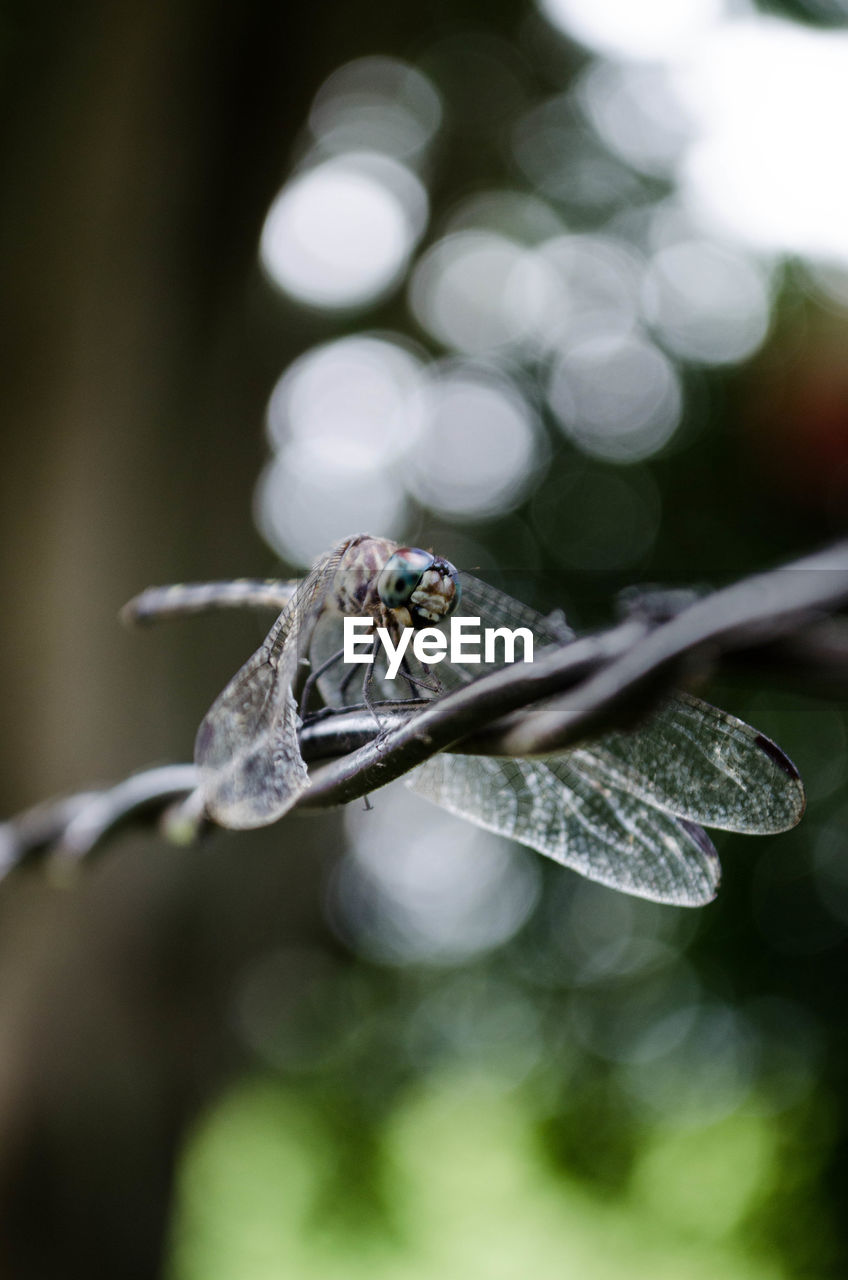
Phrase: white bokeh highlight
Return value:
(418, 887)
(364, 427)
(743, 111)
(707, 303)
(598, 280)
(769, 100)
(649, 30)
(351, 403)
(376, 103)
(617, 398)
(637, 112)
(340, 234)
(479, 448)
(476, 291)
(303, 510)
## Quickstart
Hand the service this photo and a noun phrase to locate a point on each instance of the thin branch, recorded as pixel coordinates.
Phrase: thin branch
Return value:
(754, 612)
(72, 826)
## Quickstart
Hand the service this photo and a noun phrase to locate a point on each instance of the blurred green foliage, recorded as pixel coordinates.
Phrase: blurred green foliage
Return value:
(468, 1187)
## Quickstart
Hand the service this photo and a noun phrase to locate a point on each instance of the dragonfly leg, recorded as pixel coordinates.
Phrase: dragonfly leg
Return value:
(314, 677)
(345, 682)
(367, 687)
(415, 683)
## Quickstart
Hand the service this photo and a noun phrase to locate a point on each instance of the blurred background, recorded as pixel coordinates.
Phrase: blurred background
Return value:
(560, 289)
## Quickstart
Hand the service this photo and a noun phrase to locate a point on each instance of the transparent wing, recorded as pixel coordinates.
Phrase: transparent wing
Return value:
(689, 763)
(251, 769)
(497, 609)
(697, 762)
(606, 834)
(689, 758)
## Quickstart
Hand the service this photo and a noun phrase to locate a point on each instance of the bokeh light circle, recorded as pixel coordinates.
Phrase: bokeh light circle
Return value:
(350, 403)
(617, 398)
(635, 110)
(479, 448)
(763, 165)
(707, 303)
(302, 510)
(598, 278)
(477, 290)
(340, 234)
(444, 893)
(650, 30)
(379, 103)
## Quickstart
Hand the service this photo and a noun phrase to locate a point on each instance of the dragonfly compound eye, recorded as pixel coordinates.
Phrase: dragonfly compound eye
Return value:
(424, 585)
(401, 576)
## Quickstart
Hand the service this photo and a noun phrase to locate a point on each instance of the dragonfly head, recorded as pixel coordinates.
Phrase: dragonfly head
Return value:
(422, 585)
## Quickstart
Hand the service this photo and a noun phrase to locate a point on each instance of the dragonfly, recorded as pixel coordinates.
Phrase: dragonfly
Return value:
(627, 809)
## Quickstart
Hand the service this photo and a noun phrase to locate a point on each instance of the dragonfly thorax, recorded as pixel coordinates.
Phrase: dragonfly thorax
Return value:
(354, 591)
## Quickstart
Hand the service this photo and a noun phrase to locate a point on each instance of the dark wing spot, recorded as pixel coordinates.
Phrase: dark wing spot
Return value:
(774, 753)
(700, 837)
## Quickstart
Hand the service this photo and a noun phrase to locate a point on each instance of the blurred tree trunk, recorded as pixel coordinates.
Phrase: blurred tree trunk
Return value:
(142, 143)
